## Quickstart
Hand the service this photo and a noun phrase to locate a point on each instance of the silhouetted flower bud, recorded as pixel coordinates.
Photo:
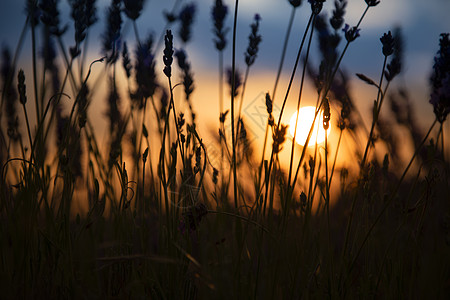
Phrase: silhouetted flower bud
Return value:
(337, 20)
(388, 43)
(254, 39)
(440, 80)
(219, 13)
(295, 3)
(133, 8)
(372, 2)
(279, 137)
(268, 104)
(351, 33)
(168, 53)
(326, 114)
(316, 6)
(22, 87)
(186, 18)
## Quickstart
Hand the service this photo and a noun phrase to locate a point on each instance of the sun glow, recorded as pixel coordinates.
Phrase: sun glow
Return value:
(305, 120)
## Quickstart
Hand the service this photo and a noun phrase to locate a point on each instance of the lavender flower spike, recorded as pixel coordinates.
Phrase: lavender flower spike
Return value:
(219, 13)
(186, 17)
(168, 53)
(351, 33)
(440, 80)
(254, 40)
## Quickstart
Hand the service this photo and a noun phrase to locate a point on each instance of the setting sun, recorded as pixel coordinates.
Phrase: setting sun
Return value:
(305, 120)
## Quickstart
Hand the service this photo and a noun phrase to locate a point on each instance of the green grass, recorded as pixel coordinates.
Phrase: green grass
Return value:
(161, 219)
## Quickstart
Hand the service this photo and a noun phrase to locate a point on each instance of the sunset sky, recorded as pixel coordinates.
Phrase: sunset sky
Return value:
(421, 22)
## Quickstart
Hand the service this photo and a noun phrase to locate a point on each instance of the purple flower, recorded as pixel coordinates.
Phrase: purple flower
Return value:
(219, 13)
(185, 66)
(186, 18)
(168, 53)
(440, 80)
(133, 8)
(50, 16)
(337, 20)
(254, 39)
(112, 33)
(351, 33)
(316, 6)
(388, 43)
(145, 71)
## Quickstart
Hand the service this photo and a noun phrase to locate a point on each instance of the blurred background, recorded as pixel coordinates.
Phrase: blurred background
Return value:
(421, 23)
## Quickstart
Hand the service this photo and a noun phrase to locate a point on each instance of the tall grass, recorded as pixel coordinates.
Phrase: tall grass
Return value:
(147, 212)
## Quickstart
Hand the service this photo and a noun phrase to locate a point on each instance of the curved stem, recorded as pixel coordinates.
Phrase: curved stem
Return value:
(375, 115)
(389, 201)
(233, 86)
(284, 103)
(283, 53)
(291, 161)
(335, 157)
(247, 70)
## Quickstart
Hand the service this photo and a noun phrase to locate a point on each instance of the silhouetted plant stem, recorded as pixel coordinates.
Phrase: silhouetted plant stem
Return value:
(166, 26)
(376, 114)
(330, 81)
(13, 64)
(176, 122)
(220, 115)
(335, 156)
(327, 89)
(28, 130)
(389, 201)
(284, 103)
(283, 52)
(261, 165)
(34, 62)
(233, 86)
(247, 70)
(221, 82)
(300, 94)
(83, 55)
(63, 85)
(442, 143)
(68, 64)
(363, 161)
(280, 68)
(327, 204)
